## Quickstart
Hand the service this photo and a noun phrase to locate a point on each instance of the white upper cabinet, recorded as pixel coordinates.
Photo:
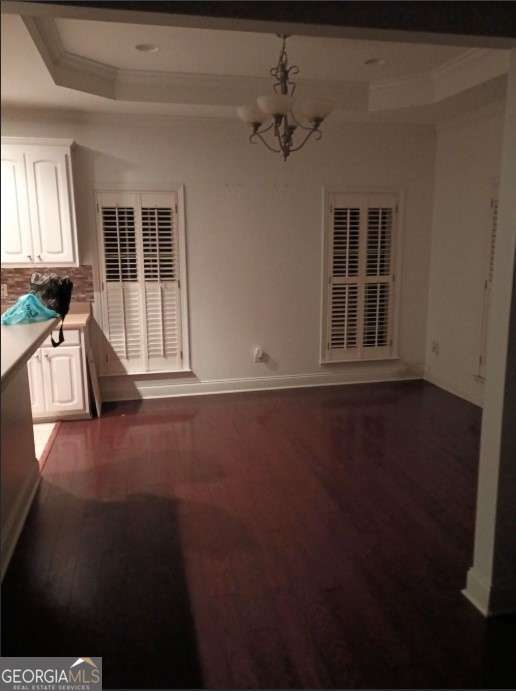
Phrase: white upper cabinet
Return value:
(16, 232)
(50, 204)
(38, 223)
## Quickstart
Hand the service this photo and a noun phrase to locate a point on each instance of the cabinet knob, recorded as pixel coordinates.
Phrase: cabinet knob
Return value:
(39, 257)
(29, 257)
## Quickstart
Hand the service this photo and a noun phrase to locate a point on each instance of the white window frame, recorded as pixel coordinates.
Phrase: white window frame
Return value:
(327, 195)
(178, 190)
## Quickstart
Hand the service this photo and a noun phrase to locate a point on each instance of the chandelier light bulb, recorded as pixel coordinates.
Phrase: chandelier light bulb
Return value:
(315, 109)
(251, 115)
(275, 104)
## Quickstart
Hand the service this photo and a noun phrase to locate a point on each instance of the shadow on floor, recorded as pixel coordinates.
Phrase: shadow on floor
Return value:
(114, 586)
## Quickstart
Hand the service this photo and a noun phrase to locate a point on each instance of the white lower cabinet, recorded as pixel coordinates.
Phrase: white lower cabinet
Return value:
(58, 381)
(62, 378)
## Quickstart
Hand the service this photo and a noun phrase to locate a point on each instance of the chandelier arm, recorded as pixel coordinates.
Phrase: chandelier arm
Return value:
(313, 131)
(300, 124)
(264, 142)
(266, 129)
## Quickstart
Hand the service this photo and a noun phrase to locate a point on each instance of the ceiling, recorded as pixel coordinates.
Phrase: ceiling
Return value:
(93, 66)
(209, 51)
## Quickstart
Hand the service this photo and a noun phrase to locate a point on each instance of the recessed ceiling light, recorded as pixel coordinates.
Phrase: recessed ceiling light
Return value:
(146, 48)
(375, 61)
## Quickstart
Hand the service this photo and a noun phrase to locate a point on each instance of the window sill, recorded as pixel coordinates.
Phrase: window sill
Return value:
(353, 361)
(146, 373)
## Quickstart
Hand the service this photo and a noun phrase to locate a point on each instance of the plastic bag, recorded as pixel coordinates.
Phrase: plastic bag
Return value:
(27, 309)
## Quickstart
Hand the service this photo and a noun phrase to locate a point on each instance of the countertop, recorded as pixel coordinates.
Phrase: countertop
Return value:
(76, 320)
(19, 342)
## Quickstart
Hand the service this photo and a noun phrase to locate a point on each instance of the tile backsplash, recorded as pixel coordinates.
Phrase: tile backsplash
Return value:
(17, 281)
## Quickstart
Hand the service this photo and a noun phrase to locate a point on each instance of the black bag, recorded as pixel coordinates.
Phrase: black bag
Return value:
(55, 293)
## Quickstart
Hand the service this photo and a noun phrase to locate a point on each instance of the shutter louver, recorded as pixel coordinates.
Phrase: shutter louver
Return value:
(346, 234)
(344, 316)
(379, 237)
(162, 313)
(343, 327)
(124, 324)
(122, 289)
(378, 271)
(142, 293)
(376, 315)
(119, 244)
(360, 283)
(158, 244)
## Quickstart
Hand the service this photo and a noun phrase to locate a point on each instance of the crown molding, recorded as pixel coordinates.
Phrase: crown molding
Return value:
(44, 141)
(13, 112)
(65, 70)
(88, 66)
(466, 71)
(227, 90)
(83, 74)
(405, 92)
(45, 36)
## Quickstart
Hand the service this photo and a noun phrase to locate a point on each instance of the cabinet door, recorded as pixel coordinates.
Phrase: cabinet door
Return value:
(37, 391)
(51, 204)
(16, 232)
(62, 376)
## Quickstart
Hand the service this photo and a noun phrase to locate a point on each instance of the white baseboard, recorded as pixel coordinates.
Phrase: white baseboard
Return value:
(491, 600)
(126, 388)
(14, 524)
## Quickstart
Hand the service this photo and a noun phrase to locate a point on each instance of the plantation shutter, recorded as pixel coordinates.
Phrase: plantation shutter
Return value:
(138, 239)
(488, 283)
(360, 277)
(160, 271)
(122, 303)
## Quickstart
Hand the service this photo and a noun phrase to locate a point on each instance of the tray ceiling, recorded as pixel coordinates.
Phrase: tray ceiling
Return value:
(208, 51)
(94, 66)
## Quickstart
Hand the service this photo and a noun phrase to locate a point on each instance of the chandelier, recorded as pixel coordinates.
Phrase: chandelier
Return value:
(274, 113)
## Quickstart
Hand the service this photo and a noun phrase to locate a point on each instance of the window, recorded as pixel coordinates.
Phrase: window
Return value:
(488, 282)
(141, 245)
(359, 275)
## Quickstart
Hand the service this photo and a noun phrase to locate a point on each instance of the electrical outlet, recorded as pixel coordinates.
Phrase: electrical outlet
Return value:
(435, 347)
(4, 291)
(258, 354)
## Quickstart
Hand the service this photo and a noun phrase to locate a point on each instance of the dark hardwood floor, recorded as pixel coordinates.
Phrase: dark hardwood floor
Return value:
(306, 538)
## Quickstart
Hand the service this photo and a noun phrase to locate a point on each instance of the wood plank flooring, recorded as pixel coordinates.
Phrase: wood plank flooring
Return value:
(313, 538)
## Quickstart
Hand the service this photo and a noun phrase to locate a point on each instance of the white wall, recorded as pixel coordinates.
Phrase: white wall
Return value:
(467, 162)
(254, 234)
